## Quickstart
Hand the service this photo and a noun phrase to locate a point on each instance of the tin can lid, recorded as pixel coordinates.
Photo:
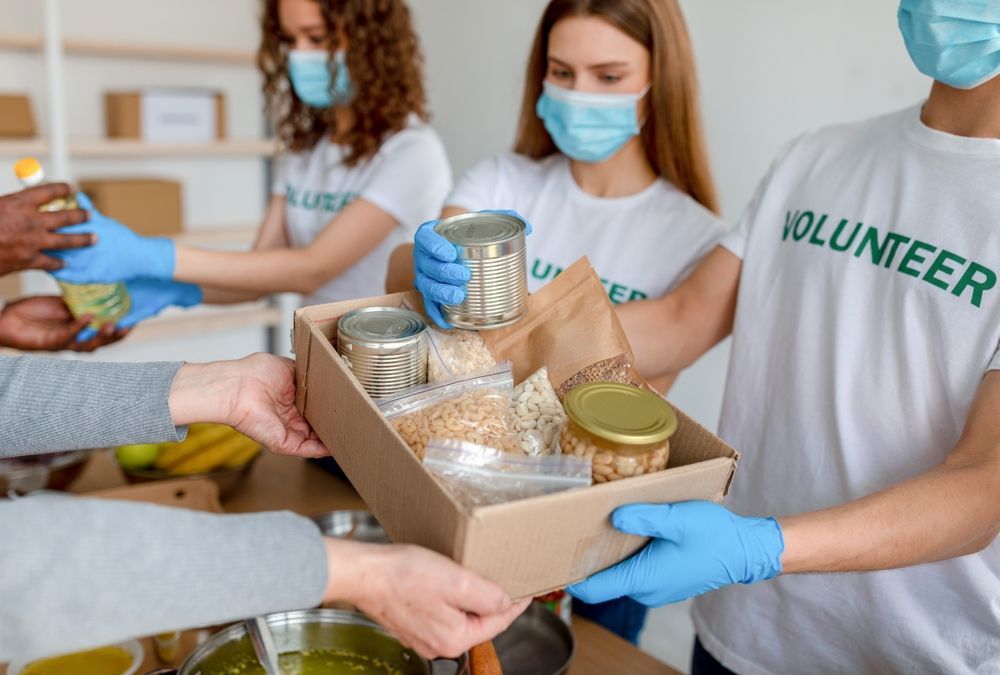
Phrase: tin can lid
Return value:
(381, 324)
(480, 229)
(621, 413)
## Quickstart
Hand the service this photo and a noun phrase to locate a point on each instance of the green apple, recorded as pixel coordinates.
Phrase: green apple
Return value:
(138, 456)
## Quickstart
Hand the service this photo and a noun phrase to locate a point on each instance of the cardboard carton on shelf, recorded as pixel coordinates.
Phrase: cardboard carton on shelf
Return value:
(149, 206)
(165, 115)
(529, 546)
(16, 117)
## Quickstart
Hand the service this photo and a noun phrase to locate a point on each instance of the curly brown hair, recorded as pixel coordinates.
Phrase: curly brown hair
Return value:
(385, 63)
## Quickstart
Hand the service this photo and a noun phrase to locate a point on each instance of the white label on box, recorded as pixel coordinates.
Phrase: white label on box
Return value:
(178, 116)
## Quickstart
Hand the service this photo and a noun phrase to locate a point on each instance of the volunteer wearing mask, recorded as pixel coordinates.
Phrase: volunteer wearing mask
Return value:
(79, 573)
(863, 393)
(361, 169)
(609, 160)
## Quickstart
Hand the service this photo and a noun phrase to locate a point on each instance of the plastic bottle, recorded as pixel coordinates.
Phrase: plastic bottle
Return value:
(107, 303)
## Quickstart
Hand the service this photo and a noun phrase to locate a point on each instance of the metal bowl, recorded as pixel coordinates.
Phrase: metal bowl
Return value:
(354, 525)
(537, 643)
(49, 471)
(228, 480)
(316, 629)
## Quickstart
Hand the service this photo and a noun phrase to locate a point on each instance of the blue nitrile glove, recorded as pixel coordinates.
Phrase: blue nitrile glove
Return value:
(439, 278)
(697, 547)
(149, 298)
(119, 254)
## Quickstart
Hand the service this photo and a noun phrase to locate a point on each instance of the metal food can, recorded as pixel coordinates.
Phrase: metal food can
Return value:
(492, 246)
(385, 348)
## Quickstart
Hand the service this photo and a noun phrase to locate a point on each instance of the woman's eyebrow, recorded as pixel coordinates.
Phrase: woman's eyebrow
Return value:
(596, 66)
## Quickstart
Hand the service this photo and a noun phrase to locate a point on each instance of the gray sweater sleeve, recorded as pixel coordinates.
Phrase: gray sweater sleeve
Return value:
(51, 404)
(78, 573)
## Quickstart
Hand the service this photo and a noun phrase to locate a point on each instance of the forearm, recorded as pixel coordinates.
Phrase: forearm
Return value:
(257, 272)
(950, 511)
(142, 569)
(48, 404)
(220, 296)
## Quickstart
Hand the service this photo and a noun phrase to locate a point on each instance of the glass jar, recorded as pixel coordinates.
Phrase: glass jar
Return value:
(623, 429)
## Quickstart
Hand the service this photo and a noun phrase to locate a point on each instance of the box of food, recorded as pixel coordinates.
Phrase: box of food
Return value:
(148, 206)
(16, 118)
(178, 115)
(529, 546)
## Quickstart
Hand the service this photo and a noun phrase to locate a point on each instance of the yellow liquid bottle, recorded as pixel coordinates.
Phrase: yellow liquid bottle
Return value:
(107, 303)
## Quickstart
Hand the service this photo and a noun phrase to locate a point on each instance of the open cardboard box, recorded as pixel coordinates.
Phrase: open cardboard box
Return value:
(530, 546)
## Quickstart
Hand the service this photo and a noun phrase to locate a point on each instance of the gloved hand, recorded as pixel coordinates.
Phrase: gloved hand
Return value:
(149, 298)
(119, 254)
(439, 278)
(697, 547)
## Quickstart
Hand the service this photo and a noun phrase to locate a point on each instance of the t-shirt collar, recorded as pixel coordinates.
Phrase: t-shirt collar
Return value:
(941, 141)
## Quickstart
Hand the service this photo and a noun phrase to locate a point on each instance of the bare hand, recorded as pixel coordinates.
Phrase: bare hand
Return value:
(433, 605)
(255, 394)
(26, 232)
(44, 323)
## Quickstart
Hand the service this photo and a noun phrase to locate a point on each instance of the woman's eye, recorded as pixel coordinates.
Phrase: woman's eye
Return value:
(610, 79)
(560, 73)
(317, 40)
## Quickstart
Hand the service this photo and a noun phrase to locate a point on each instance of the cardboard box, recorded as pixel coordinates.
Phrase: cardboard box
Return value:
(530, 546)
(16, 118)
(166, 115)
(148, 206)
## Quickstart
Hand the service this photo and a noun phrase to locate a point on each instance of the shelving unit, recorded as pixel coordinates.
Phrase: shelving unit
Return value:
(58, 149)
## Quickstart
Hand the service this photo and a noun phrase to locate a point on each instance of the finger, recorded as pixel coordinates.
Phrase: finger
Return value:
(446, 294)
(64, 241)
(43, 194)
(431, 243)
(649, 520)
(609, 584)
(45, 262)
(434, 312)
(476, 595)
(483, 628)
(53, 220)
(449, 273)
(83, 201)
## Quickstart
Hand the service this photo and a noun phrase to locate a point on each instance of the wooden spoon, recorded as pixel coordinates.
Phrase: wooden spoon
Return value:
(483, 660)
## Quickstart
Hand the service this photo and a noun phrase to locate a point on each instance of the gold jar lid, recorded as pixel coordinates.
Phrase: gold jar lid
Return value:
(621, 413)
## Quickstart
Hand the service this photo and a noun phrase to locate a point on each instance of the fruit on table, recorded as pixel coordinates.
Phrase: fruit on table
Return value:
(217, 455)
(200, 437)
(138, 456)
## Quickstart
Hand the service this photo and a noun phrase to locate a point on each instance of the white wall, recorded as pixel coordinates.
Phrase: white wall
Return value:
(769, 69)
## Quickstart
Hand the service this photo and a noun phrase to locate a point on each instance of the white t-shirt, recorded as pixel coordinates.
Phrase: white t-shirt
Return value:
(408, 178)
(869, 313)
(641, 245)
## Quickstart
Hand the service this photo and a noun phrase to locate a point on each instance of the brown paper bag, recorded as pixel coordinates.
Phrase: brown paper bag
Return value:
(570, 325)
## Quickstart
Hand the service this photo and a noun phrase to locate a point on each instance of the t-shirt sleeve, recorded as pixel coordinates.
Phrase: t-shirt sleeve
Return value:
(279, 178)
(478, 188)
(412, 177)
(736, 239)
(995, 363)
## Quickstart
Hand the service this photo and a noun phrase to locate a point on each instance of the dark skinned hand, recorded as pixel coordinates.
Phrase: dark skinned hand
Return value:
(25, 232)
(44, 323)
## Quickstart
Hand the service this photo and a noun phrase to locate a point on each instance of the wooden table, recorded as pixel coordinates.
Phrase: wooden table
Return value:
(293, 484)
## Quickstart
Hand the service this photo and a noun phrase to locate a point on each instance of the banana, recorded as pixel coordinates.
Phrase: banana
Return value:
(203, 438)
(242, 457)
(209, 458)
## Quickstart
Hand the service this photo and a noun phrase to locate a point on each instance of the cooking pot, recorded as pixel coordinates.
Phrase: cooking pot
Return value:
(348, 636)
(49, 471)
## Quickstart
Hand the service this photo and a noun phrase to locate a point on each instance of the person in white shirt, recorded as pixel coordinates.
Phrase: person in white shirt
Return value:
(609, 162)
(360, 171)
(863, 392)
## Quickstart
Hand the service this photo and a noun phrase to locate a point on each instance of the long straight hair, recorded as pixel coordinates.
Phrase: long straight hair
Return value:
(672, 136)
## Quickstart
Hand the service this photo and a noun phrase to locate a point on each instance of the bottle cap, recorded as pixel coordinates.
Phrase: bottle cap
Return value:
(29, 171)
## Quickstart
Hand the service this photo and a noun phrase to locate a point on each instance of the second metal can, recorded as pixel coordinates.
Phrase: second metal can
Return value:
(492, 246)
(385, 348)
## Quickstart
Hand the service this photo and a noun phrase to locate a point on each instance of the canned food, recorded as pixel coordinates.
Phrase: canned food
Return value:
(492, 246)
(385, 348)
(623, 429)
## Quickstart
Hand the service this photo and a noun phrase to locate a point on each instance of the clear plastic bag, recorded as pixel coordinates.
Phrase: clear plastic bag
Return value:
(456, 353)
(474, 408)
(616, 369)
(536, 415)
(477, 475)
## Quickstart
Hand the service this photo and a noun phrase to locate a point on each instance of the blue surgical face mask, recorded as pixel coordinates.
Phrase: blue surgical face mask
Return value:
(309, 72)
(588, 127)
(954, 41)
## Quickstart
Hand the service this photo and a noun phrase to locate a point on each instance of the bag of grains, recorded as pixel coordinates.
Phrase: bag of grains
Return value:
(456, 353)
(536, 414)
(474, 408)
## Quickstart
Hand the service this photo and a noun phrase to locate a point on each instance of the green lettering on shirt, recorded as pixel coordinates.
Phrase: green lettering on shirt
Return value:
(619, 293)
(328, 202)
(918, 259)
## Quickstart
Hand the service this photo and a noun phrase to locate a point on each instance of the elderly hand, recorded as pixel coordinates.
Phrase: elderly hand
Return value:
(44, 323)
(255, 394)
(26, 233)
(119, 254)
(433, 605)
(697, 547)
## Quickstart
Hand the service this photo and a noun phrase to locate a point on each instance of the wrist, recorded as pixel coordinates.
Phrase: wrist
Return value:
(162, 258)
(765, 544)
(204, 392)
(349, 565)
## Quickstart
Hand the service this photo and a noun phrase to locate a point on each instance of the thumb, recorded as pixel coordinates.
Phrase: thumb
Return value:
(649, 520)
(83, 201)
(610, 584)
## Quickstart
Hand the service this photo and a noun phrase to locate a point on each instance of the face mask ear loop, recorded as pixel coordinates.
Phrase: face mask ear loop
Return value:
(642, 95)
